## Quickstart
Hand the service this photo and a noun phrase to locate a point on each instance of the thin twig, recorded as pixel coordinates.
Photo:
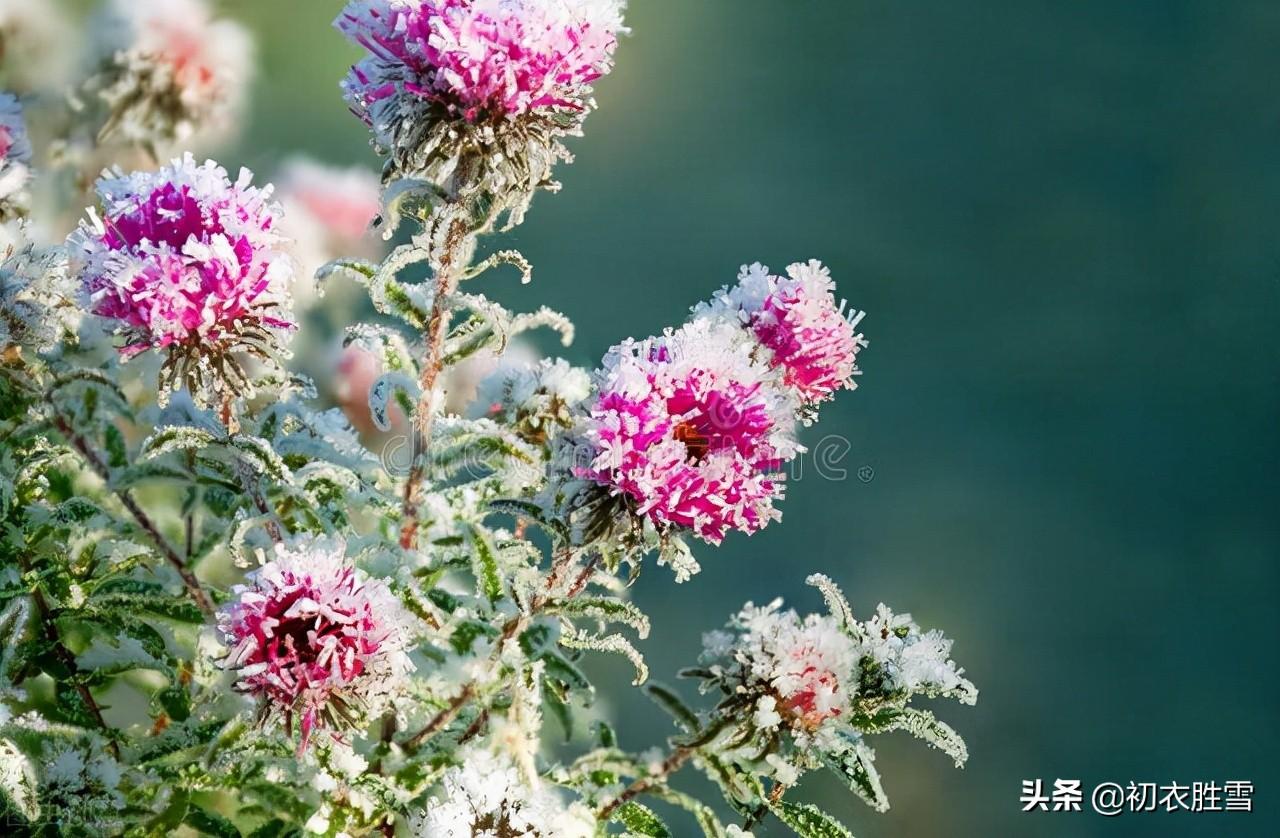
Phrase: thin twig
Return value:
(139, 514)
(68, 660)
(674, 761)
(443, 718)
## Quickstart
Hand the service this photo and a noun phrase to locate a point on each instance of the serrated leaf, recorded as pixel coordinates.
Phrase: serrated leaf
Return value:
(210, 823)
(856, 766)
(485, 564)
(571, 638)
(836, 604)
(922, 724)
(641, 820)
(808, 820)
(606, 610)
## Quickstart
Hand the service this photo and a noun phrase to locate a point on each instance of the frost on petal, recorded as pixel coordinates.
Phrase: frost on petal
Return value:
(807, 333)
(187, 261)
(476, 94)
(690, 431)
(318, 643)
(486, 796)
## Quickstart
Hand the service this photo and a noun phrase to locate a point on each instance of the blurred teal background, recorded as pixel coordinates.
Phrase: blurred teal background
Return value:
(1062, 218)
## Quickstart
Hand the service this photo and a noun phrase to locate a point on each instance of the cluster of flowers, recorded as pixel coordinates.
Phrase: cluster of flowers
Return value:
(690, 428)
(816, 682)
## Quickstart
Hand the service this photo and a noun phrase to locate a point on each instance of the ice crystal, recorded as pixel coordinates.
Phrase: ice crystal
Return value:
(486, 797)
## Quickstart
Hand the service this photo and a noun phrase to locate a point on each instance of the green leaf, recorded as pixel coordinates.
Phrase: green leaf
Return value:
(856, 767)
(702, 813)
(127, 596)
(605, 609)
(809, 821)
(210, 823)
(485, 564)
(641, 820)
(670, 701)
(924, 725)
(117, 450)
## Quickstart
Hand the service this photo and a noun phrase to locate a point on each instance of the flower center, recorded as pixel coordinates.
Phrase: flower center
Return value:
(695, 441)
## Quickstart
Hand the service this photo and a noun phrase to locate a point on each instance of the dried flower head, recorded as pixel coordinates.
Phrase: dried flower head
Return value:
(808, 335)
(188, 261)
(38, 46)
(15, 159)
(485, 797)
(476, 94)
(314, 638)
(171, 73)
(690, 432)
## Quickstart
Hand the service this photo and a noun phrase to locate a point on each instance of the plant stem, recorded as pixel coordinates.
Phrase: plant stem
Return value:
(68, 660)
(139, 514)
(448, 714)
(673, 763)
(447, 277)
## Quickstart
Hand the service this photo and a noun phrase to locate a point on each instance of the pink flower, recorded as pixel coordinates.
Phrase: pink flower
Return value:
(312, 636)
(15, 156)
(172, 72)
(691, 431)
(342, 203)
(479, 58)
(184, 258)
(808, 335)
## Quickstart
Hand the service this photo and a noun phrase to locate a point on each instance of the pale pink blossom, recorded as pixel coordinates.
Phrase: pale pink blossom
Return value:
(316, 640)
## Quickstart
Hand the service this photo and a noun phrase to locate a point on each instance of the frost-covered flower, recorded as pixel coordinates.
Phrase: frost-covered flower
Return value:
(328, 214)
(15, 158)
(189, 261)
(312, 637)
(797, 319)
(171, 73)
(37, 44)
(485, 797)
(37, 297)
(495, 81)
(806, 691)
(805, 667)
(690, 431)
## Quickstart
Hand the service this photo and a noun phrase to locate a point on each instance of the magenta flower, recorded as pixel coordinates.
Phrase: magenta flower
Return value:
(479, 58)
(796, 318)
(185, 260)
(691, 432)
(312, 637)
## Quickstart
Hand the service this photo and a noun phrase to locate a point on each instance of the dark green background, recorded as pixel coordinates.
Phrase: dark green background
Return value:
(1062, 217)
